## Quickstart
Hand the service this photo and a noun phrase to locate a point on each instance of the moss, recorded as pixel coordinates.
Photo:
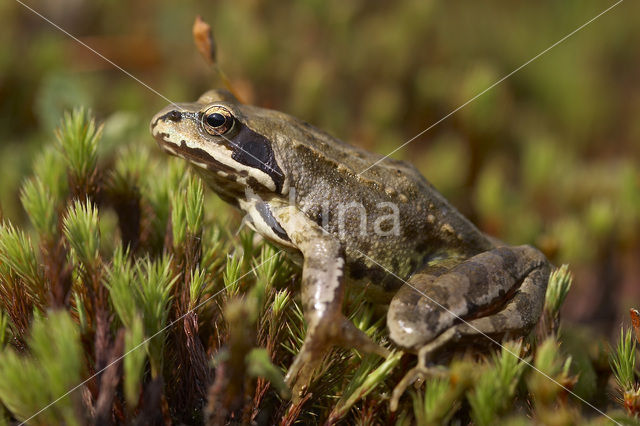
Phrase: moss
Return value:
(177, 321)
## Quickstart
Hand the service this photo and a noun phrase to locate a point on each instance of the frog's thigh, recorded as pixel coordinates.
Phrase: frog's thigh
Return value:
(490, 329)
(431, 304)
(511, 321)
(407, 311)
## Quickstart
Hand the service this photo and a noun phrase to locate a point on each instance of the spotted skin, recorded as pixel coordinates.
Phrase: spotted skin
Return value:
(478, 286)
(293, 181)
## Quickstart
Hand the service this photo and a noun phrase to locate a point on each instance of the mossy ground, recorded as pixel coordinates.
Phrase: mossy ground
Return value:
(127, 300)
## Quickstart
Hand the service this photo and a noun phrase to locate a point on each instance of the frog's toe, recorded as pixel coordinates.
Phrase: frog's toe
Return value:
(419, 372)
(301, 370)
(321, 337)
(317, 344)
(299, 375)
(351, 336)
(292, 374)
(409, 378)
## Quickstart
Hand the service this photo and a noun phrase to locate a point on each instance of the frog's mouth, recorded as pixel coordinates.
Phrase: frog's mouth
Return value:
(196, 156)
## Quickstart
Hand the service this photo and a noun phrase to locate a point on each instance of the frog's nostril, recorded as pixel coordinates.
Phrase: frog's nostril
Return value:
(174, 116)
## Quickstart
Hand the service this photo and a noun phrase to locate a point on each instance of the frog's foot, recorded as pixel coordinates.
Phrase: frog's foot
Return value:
(419, 372)
(513, 320)
(321, 337)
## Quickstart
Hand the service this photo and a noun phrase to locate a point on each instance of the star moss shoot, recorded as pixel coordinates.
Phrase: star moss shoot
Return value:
(128, 299)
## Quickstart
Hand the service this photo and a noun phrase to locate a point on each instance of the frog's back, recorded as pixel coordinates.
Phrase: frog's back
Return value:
(406, 221)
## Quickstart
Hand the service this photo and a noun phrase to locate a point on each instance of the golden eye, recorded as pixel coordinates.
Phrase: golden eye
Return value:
(217, 120)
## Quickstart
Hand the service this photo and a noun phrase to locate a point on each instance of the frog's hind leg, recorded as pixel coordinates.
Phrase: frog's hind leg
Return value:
(486, 324)
(488, 330)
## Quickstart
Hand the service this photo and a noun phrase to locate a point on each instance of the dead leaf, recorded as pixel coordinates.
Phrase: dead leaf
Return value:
(203, 38)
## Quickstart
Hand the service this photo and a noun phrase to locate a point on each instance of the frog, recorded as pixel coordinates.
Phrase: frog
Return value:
(355, 219)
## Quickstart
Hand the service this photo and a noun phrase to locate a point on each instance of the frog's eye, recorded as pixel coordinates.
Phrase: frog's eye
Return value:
(217, 120)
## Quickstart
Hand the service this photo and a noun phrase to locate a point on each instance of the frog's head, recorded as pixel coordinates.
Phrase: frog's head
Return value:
(231, 144)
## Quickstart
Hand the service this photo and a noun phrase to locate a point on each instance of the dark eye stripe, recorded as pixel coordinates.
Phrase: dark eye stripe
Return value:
(254, 150)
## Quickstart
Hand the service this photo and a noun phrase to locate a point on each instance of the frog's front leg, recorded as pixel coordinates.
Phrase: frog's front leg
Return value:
(492, 295)
(322, 296)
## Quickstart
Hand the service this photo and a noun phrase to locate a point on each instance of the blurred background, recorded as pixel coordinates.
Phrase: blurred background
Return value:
(548, 157)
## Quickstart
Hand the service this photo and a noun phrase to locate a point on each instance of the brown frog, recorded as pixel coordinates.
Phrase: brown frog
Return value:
(352, 217)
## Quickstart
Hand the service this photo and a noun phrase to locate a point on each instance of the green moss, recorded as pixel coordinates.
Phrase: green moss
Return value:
(195, 325)
(30, 384)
